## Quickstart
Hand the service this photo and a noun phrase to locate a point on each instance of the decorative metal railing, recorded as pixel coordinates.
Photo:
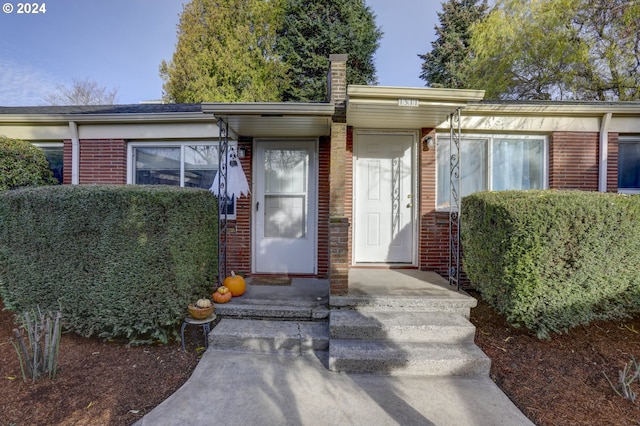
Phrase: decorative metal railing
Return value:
(222, 199)
(454, 199)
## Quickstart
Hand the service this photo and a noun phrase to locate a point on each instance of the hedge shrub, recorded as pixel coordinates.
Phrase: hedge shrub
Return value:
(552, 260)
(119, 261)
(22, 164)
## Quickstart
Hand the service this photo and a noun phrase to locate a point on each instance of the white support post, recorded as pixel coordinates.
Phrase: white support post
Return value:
(604, 152)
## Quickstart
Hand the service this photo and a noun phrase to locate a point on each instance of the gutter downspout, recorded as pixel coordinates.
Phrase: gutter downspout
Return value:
(604, 152)
(75, 153)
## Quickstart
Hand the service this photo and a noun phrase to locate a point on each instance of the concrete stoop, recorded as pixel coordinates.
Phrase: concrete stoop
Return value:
(407, 358)
(270, 336)
(260, 309)
(458, 303)
(405, 336)
(392, 335)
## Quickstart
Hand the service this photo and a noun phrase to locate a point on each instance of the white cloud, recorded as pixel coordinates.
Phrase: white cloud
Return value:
(23, 85)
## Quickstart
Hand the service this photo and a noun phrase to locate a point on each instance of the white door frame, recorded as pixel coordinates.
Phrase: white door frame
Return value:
(358, 134)
(312, 193)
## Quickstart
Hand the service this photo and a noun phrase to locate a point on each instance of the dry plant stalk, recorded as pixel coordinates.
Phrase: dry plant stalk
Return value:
(626, 378)
(39, 354)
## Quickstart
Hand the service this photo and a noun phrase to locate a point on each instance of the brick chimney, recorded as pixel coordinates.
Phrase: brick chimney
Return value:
(338, 85)
(338, 222)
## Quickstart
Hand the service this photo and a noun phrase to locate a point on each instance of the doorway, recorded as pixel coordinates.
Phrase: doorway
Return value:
(285, 207)
(384, 204)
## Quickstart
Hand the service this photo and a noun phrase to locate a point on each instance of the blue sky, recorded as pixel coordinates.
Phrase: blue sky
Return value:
(120, 44)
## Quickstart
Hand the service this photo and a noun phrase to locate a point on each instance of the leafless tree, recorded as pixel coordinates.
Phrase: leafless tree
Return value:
(82, 92)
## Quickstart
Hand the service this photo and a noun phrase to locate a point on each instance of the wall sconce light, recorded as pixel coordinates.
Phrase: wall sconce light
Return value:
(428, 143)
(242, 152)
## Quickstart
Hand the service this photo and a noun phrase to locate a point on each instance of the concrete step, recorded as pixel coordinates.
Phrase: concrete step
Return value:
(455, 302)
(407, 358)
(413, 326)
(267, 309)
(269, 336)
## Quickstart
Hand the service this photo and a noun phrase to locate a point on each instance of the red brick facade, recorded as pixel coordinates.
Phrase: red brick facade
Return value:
(239, 230)
(324, 158)
(102, 161)
(573, 160)
(434, 226)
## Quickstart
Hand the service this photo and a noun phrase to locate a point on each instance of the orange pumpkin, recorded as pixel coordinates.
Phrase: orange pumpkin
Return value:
(221, 295)
(235, 284)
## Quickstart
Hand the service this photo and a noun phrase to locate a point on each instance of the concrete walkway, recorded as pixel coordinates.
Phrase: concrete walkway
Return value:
(238, 387)
(230, 388)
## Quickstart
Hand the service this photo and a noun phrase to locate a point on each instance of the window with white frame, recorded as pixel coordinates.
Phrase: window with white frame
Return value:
(185, 164)
(494, 163)
(629, 164)
(54, 152)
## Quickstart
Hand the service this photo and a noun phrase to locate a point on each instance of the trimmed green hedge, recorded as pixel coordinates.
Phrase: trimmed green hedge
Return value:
(552, 260)
(119, 261)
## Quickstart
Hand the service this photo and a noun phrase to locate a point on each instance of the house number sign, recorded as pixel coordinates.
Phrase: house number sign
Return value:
(408, 102)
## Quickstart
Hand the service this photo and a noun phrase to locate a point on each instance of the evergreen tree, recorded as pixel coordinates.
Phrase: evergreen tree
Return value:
(445, 65)
(225, 53)
(314, 30)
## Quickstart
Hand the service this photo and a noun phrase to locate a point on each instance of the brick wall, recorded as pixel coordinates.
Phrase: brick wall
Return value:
(323, 206)
(339, 223)
(66, 158)
(338, 86)
(339, 265)
(434, 226)
(102, 161)
(239, 230)
(573, 160)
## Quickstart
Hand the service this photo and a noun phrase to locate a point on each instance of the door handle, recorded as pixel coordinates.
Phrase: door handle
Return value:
(257, 205)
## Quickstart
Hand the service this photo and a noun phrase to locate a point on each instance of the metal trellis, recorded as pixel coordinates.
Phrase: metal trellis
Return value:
(454, 200)
(222, 199)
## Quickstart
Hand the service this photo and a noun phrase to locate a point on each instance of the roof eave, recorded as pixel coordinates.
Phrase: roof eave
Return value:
(268, 109)
(578, 109)
(425, 94)
(104, 118)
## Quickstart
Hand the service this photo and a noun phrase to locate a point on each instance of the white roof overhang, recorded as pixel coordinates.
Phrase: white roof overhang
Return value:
(274, 119)
(404, 107)
(117, 118)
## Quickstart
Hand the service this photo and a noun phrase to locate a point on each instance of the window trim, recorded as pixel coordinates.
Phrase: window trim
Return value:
(490, 138)
(182, 144)
(52, 144)
(627, 139)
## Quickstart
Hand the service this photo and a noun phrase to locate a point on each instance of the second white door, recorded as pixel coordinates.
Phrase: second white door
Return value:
(383, 198)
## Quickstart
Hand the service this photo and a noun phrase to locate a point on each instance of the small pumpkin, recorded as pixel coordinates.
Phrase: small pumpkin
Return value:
(235, 284)
(221, 295)
(203, 303)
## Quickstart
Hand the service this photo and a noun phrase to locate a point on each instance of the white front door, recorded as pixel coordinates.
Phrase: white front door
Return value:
(383, 198)
(285, 206)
